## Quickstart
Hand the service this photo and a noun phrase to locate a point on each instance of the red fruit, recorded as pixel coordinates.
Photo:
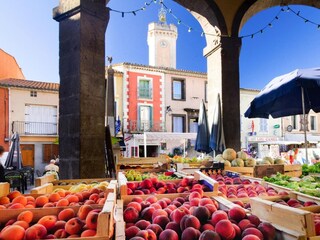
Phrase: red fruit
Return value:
(155, 228)
(237, 214)
(74, 225)
(245, 223)
(217, 216)
(209, 235)
(202, 213)
(131, 215)
(178, 213)
(252, 231)
(168, 234)
(251, 237)
(174, 226)
(254, 220)
(268, 231)
(190, 233)
(225, 229)
(162, 221)
(132, 231)
(135, 205)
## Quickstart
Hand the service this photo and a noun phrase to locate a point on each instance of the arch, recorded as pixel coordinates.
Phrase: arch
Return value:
(251, 7)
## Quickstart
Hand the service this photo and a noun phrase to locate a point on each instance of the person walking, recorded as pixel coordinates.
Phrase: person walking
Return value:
(2, 172)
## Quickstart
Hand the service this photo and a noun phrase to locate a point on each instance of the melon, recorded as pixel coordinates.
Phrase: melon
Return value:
(226, 163)
(238, 162)
(269, 159)
(250, 162)
(229, 154)
(219, 158)
(242, 155)
(279, 161)
(265, 162)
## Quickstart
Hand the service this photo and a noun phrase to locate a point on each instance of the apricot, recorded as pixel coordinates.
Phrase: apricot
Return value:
(89, 202)
(54, 197)
(60, 233)
(48, 221)
(58, 225)
(23, 224)
(83, 211)
(74, 225)
(26, 216)
(62, 193)
(101, 201)
(48, 205)
(88, 233)
(13, 232)
(13, 195)
(72, 198)
(16, 206)
(10, 222)
(4, 200)
(80, 196)
(30, 199)
(20, 199)
(66, 214)
(94, 197)
(2, 207)
(92, 220)
(62, 203)
(41, 201)
(36, 231)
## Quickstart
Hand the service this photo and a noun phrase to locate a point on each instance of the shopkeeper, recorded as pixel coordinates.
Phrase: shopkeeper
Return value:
(2, 177)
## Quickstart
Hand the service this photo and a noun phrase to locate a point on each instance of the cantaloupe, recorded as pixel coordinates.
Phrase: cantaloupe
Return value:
(242, 155)
(218, 158)
(227, 163)
(238, 162)
(265, 162)
(250, 162)
(269, 159)
(229, 154)
(279, 161)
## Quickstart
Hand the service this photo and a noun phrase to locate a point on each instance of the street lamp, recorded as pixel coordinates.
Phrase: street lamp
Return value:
(168, 111)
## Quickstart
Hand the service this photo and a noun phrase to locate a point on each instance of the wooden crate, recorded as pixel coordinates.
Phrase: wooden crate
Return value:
(299, 222)
(105, 226)
(78, 181)
(304, 197)
(44, 179)
(4, 189)
(143, 164)
(49, 188)
(258, 171)
(293, 170)
(122, 180)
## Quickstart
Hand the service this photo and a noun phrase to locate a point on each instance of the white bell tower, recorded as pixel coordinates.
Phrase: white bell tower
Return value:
(162, 38)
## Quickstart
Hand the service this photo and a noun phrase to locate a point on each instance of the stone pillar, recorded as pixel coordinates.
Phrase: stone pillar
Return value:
(111, 118)
(82, 26)
(223, 77)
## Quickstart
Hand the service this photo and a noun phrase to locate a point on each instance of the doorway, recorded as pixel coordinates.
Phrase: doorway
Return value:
(27, 153)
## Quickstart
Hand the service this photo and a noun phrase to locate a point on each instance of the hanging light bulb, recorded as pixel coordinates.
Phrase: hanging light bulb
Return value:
(261, 31)
(277, 17)
(147, 4)
(270, 25)
(143, 9)
(319, 26)
(170, 10)
(202, 34)
(134, 13)
(179, 21)
(252, 36)
(189, 29)
(122, 14)
(305, 21)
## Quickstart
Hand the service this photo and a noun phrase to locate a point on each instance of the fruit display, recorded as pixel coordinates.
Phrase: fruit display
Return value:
(191, 218)
(133, 175)
(58, 198)
(226, 180)
(156, 186)
(79, 181)
(307, 185)
(68, 223)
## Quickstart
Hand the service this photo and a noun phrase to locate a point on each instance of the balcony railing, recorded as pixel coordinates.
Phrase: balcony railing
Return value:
(146, 126)
(34, 128)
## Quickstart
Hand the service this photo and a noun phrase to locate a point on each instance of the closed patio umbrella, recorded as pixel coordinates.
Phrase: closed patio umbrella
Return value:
(294, 93)
(217, 142)
(14, 158)
(203, 135)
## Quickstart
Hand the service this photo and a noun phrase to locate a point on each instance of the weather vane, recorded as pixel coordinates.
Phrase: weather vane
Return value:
(162, 14)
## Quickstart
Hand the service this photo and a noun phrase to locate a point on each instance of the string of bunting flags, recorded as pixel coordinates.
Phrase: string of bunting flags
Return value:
(190, 28)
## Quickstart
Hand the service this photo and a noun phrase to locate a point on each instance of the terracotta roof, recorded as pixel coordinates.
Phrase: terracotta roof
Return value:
(9, 68)
(161, 69)
(21, 83)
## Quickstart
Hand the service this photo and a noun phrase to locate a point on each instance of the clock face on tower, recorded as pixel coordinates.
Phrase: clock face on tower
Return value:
(163, 43)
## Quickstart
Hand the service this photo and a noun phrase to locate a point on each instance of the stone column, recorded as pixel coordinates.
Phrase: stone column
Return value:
(223, 77)
(82, 26)
(110, 111)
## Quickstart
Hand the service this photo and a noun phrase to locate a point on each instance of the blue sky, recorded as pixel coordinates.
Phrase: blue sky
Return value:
(29, 33)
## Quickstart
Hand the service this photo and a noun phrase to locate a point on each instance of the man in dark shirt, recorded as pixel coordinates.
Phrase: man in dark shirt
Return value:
(2, 178)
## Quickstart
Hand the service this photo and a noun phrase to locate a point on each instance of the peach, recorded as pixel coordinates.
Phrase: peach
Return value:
(211, 207)
(268, 231)
(73, 198)
(151, 199)
(237, 230)
(168, 234)
(190, 221)
(16, 206)
(50, 236)
(13, 232)
(217, 216)
(89, 202)
(135, 205)
(48, 205)
(80, 196)
(23, 224)
(251, 237)
(194, 195)
(147, 183)
(190, 233)
(58, 225)
(60, 233)
(74, 236)
(132, 231)
(26, 216)
(130, 214)
(160, 184)
(161, 220)
(20, 199)
(74, 225)
(10, 222)
(131, 186)
(205, 201)
(83, 211)
(88, 233)
(252, 231)
(41, 201)
(54, 197)
(146, 213)
(162, 203)
(245, 223)
(142, 224)
(48, 221)
(62, 203)
(137, 199)
(237, 214)
(3, 207)
(13, 195)
(92, 220)
(254, 220)
(155, 228)
(156, 206)
(138, 192)
(147, 234)
(206, 226)
(178, 213)
(66, 214)
(202, 213)
(174, 226)
(195, 201)
(4, 200)
(209, 235)
(225, 229)
(159, 212)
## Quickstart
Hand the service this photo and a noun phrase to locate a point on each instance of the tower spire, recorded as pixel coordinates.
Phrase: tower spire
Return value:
(162, 15)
